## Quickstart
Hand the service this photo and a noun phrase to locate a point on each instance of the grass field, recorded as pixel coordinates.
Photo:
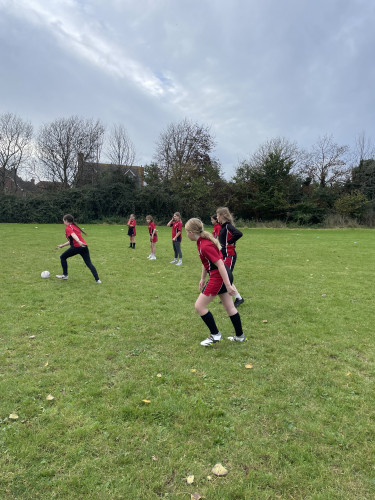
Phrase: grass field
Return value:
(299, 424)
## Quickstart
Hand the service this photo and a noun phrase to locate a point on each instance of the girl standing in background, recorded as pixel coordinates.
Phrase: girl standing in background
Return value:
(132, 231)
(153, 236)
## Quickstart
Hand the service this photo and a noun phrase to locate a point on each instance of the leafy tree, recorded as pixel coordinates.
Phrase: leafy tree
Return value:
(265, 191)
(15, 149)
(58, 145)
(351, 205)
(363, 178)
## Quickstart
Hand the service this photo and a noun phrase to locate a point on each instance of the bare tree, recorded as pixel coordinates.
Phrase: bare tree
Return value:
(59, 143)
(120, 150)
(15, 149)
(281, 147)
(327, 162)
(183, 146)
(364, 149)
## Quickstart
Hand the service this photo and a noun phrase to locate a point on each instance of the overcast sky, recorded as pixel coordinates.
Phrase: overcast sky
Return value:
(252, 70)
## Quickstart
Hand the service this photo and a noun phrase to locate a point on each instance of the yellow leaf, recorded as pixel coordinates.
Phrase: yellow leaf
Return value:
(13, 416)
(265, 321)
(193, 370)
(189, 479)
(209, 478)
(146, 401)
(219, 470)
(50, 397)
(46, 364)
(158, 375)
(348, 374)
(249, 366)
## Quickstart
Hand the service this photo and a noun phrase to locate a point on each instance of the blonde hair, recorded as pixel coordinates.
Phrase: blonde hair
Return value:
(196, 226)
(225, 214)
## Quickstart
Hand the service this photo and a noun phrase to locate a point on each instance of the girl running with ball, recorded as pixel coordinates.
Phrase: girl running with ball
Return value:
(219, 283)
(78, 246)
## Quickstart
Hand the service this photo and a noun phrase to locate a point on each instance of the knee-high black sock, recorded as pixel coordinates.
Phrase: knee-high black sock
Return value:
(210, 322)
(236, 322)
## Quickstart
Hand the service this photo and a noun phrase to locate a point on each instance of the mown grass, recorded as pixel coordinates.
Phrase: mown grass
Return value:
(299, 424)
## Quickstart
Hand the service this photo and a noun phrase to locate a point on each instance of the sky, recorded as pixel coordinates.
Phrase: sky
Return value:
(251, 70)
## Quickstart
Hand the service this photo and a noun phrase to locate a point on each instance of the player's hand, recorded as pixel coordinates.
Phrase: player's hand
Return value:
(231, 290)
(201, 284)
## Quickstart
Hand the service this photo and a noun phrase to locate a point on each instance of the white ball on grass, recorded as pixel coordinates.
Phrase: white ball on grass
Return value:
(45, 274)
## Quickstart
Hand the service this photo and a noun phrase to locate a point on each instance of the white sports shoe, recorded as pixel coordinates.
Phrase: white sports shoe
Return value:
(61, 276)
(179, 263)
(98, 281)
(212, 339)
(149, 257)
(173, 261)
(153, 257)
(241, 338)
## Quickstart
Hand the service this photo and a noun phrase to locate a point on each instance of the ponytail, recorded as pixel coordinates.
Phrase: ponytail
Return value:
(196, 226)
(69, 218)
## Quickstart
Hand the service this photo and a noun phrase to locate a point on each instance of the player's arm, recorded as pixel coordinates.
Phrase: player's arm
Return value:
(75, 237)
(223, 273)
(203, 278)
(236, 234)
(63, 245)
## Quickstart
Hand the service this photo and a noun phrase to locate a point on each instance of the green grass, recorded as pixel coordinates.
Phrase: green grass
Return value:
(298, 425)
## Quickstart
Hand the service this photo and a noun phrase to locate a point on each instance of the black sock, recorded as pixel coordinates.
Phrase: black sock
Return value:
(236, 322)
(133, 245)
(210, 322)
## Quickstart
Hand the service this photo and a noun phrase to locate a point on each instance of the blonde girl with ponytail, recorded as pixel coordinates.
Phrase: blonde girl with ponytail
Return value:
(219, 283)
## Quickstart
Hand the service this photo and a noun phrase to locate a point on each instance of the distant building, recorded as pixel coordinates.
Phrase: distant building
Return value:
(91, 172)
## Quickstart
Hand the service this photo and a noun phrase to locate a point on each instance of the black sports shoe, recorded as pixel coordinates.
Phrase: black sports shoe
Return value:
(238, 302)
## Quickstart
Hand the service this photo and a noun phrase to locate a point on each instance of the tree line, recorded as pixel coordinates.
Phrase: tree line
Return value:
(279, 181)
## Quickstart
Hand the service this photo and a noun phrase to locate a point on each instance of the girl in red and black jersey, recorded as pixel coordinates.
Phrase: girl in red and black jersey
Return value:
(228, 236)
(78, 246)
(153, 236)
(176, 224)
(219, 283)
(216, 225)
(132, 231)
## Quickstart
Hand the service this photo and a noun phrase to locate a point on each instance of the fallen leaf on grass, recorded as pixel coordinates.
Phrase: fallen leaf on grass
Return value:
(189, 479)
(193, 370)
(32, 337)
(155, 459)
(159, 375)
(324, 295)
(50, 397)
(265, 321)
(249, 366)
(195, 496)
(209, 478)
(146, 401)
(219, 470)
(13, 416)
(46, 364)
(348, 374)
